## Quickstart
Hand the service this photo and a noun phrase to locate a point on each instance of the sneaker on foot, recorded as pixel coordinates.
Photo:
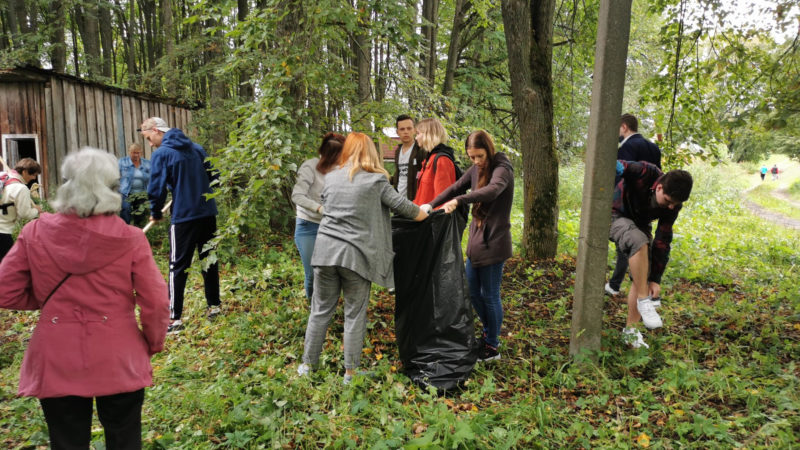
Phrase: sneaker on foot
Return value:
(303, 369)
(175, 326)
(488, 353)
(611, 291)
(348, 378)
(656, 301)
(650, 317)
(634, 338)
(213, 311)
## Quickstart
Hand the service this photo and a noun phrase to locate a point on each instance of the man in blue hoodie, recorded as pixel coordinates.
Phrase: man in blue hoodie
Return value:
(180, 165)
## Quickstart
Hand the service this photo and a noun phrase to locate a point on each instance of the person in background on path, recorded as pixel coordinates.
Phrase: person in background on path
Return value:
(408, 158)
(306, 196)
(633, 147)
(180, 165)
(490, 182)
(87, 272)
(16, 200)
(438, 170)
(642, 195)
(134, 172)
(774, 171)
(763, 172)
(354, 248)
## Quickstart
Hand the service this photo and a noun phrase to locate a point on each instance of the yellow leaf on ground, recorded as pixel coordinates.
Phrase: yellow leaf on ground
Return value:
(643, 440)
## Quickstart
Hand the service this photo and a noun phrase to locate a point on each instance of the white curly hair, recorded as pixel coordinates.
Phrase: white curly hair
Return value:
(91, 184)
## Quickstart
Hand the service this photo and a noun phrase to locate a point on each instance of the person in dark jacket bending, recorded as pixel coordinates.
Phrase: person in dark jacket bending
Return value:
(633, 147)
(490, 181)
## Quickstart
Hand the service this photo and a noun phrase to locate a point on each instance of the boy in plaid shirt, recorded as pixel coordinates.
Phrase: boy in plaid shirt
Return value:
(642, 195)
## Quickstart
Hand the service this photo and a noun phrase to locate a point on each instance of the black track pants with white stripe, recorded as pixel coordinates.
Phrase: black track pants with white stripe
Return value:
(184, 238)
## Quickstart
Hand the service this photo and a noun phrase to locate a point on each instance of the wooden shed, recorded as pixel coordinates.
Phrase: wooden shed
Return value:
(44, 115)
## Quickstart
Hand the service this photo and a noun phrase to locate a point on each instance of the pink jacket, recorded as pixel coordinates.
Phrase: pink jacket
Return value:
(87, 342)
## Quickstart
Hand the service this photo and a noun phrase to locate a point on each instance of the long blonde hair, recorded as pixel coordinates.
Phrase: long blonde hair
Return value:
(431, 133)
(359, 150)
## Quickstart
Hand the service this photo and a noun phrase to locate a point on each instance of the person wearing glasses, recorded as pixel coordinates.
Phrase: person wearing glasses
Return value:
(642, 195)
(180, 166)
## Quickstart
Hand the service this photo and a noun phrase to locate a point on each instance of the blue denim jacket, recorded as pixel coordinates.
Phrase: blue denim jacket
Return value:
(126, 170)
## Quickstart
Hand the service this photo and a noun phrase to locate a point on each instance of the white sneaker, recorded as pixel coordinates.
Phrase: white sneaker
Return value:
(303, 369)
(656, 301)
(348, 378)
(650, 317)
(634, 338)
(610, 291)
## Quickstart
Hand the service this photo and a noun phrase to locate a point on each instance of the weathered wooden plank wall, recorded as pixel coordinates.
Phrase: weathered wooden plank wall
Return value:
(67, 115)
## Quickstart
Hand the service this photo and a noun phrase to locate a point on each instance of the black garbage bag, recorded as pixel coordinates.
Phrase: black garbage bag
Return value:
(433, 316)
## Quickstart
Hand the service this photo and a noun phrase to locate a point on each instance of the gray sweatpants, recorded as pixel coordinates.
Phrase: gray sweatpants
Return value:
(329, 281)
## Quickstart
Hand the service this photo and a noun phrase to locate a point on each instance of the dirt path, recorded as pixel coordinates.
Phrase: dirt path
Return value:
(781, 194)
(774, 217)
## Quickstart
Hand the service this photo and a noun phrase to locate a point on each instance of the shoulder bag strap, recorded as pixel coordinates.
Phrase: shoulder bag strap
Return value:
(55, 289)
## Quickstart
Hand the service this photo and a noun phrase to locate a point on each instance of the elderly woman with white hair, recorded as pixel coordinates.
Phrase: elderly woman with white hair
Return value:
(87, 271)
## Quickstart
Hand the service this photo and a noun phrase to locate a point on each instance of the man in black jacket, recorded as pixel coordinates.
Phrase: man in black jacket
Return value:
(633, 147)
(408, 158)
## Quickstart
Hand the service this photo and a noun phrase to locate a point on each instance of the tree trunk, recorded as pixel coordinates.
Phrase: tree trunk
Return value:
(168, 28)
(601, 150)
(362, 51)
(430, 27)
(529, 30)
(106, 37)
(246, 91)
(23, 29)
(86, 18)
(74, 33)
(58, 54)
(462, 6)
(5, 31)
(147, 14)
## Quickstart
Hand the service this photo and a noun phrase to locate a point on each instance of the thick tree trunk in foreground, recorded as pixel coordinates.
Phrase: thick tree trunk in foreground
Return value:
(601, 155)
(529, 38)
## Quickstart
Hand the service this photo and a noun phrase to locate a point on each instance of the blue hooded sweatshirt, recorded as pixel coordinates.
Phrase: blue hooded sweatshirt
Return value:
(180, 165)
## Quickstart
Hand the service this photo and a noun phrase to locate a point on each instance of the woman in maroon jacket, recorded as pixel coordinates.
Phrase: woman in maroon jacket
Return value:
(87, 271)
(490, 181)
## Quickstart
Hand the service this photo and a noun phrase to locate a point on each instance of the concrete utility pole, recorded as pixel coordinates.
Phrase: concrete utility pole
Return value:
(613, 30)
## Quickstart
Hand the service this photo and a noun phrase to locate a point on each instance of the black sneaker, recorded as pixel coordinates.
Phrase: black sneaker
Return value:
(175, 326)
(488, 353)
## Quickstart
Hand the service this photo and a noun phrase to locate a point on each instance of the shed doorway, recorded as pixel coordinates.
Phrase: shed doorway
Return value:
(18, 146)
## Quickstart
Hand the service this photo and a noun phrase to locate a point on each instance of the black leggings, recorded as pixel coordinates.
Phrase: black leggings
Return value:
(69, 420)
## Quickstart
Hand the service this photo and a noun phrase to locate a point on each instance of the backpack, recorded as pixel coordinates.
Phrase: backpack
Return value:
(5, 180)
(463, 209)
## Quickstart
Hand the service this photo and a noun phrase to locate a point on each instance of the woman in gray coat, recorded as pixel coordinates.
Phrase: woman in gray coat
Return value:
(353, 248)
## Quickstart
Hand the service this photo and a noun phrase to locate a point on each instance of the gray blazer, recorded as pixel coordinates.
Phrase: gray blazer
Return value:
(355, 232)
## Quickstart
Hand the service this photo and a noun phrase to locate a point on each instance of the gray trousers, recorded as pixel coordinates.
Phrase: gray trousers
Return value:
(329, 281)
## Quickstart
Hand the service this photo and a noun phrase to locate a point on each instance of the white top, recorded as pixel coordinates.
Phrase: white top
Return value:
(21, 206)
(402, 170)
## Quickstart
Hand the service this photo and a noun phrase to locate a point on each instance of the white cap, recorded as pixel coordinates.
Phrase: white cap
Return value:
(159, 124)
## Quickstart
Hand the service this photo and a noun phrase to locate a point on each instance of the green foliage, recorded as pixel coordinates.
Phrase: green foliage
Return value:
(722, 373)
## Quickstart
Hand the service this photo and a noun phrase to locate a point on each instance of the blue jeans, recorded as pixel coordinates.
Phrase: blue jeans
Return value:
(305, 235)
(484, 291)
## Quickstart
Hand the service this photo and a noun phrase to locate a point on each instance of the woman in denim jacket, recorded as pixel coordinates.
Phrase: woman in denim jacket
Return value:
(134, 173)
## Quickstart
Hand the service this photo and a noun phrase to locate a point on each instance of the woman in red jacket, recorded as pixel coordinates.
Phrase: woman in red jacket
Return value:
(81, 267)
(438, 170)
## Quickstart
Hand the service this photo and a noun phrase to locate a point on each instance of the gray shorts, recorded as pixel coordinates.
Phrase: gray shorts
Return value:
(628, 237)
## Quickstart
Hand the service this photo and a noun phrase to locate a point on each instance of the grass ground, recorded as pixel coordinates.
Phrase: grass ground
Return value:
(723, 372)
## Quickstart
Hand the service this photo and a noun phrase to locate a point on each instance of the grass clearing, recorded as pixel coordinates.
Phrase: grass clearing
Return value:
(723, 372)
